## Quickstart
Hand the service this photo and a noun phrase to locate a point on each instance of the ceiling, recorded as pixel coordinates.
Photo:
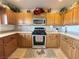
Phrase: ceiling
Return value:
(31, 4)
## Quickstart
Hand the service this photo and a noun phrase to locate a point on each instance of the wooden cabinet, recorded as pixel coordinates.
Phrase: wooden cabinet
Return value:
(10, 47)
(77, 53)
(24, 18)
(54, 19)
(1, 52)
(58, 19)
(25, 40)
(8, 44)
(52, 41)
(72, 16)
(69, 46)
(68, 18)
(1, 49)
(76, 15)
(50, 18)
(76, 45)
(11, 17)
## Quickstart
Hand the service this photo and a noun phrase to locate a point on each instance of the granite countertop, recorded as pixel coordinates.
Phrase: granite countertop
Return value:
(14, 32)
(10, 33)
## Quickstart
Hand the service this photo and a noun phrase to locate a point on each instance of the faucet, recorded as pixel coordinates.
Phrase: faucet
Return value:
(65, 29)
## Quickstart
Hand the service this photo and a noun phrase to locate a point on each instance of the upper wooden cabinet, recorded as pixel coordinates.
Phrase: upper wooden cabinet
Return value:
(10, 17)
(72, 16)
(76, 15)
(58, 19)
(54, 19)
(50, 18)
(24, 18)
(68, 17)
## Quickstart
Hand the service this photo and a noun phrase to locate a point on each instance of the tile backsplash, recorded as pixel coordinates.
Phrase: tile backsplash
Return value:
(7, 28)
(71, 29)
(31, 28)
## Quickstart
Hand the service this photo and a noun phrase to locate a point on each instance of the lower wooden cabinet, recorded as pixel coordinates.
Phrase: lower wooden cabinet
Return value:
(1, 52)
(52, 41)
(10, 47)
(77, 53)
(70, 47)
(25, 40)
(8, 44)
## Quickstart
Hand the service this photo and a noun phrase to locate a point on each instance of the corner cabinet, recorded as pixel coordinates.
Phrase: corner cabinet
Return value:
(52, 41)
(10, 17)
(70, 47)
(72, 16)
(25, 40)
(8, 45)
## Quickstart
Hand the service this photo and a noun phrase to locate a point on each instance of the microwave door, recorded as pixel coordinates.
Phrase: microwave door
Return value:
(39, 22)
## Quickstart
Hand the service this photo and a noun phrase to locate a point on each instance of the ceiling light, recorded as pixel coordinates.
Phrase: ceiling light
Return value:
(60, 0)
(16, 0)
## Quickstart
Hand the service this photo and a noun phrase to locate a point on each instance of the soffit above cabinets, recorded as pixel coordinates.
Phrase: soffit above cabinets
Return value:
(31, 4)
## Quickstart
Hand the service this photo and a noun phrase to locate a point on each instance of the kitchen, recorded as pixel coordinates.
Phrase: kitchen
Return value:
(39, 29)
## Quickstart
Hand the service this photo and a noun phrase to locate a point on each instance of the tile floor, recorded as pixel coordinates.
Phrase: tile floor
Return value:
(21, 53)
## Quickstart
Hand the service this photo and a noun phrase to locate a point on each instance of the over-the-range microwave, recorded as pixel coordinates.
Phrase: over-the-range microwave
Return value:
(39, 21)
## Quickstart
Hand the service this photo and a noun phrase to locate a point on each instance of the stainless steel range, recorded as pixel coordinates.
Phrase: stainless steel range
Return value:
(39, 38)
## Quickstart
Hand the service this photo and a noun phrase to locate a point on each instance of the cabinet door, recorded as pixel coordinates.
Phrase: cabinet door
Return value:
(51, 41)
(76, 15)
(56, 37)
(77, 53)
(28, 40)
(77, 49)
(58, 20)
(68, 18)
(19, 40)
(28, 18)
(24, 18)
(50, 19)
(25, 40)
(22, 41)
(62, 43)
(9, 48)
(1, 49)
(1, 52)
(10, 17)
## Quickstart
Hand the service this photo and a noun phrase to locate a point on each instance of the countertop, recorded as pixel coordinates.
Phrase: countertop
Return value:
(14, 32)
(10, 33)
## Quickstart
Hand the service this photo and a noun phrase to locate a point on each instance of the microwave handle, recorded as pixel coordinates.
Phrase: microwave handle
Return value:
(44, 21)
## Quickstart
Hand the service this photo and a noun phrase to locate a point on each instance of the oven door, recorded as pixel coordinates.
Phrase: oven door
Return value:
(39, 40)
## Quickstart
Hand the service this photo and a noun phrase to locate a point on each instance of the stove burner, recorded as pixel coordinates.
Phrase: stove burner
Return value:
(39, 31)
